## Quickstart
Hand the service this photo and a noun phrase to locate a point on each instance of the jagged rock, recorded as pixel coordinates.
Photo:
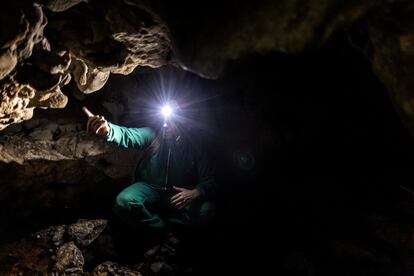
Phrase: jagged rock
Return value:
(110, 268)
(87, 78)
(36, 78)
(144, 37)
(12, 35)
(84, 232)
(14, 103)
(62, 5)
(161, 267)
(51, 99)
(52, 142)
(156, 267)
(53, 251)
(51, 245)
(32, 255)
(53, 235)
(392, 55)
(117, 40)
(25, 256)
(51, 62)
(59, 235)
(122, 39)
(46, 73)
(205, 46)
(18, 88)
(8, 61)
(69, 260)
(35, 21)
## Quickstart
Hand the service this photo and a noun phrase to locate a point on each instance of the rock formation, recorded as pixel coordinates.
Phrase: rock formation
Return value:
(50, 43)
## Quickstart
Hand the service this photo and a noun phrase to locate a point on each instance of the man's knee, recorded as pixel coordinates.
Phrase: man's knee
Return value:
(125, 203)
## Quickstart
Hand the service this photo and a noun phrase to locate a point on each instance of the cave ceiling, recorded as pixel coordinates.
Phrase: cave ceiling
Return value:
(46, 45)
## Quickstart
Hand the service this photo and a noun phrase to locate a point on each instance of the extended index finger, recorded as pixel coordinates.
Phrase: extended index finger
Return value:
(87, 112)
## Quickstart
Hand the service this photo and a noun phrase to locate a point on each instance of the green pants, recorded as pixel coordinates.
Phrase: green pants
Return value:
(142, 205)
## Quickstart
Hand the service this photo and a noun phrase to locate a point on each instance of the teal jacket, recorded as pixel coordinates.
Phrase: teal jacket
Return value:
(174, 162)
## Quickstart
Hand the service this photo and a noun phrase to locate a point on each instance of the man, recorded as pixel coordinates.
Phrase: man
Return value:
(174, 180)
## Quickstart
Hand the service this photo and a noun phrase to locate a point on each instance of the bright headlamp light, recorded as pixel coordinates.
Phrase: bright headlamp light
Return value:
(167, 112)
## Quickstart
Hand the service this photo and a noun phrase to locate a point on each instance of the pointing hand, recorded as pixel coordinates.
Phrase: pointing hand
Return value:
(96, 124)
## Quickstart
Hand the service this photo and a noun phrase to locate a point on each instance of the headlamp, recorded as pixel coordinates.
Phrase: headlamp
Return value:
(166, 111)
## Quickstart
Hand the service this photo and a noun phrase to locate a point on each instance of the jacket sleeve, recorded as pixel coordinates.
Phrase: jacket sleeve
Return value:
(138, 138)
(206, 183)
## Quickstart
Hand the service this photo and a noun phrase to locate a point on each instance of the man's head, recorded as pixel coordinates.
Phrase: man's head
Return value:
(171, 131)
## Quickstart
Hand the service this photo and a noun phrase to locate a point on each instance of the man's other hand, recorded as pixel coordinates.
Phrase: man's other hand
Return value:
(184, 197)
(96, 124)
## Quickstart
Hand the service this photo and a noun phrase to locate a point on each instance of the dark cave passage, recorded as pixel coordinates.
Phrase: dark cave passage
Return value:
(328, 193)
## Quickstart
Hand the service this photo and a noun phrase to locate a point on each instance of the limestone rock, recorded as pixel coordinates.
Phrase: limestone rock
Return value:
(51, 99)
(48, 140)
(84, 232)
(111, 269)
(49, 61)
(23, 73)
(62, 5)
(59, 235)
(8, 61)
(32, 255)
(14, 103)
(69, 260)
(87, 78)
(35, 22)
(53, 251)
(27, 255)
(145, 39)
(392, 43)
(122, 39)
(40, 49)
(205, 46)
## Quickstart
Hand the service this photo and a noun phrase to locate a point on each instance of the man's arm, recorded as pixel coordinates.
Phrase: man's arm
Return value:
(138, 138)
(122, 136)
